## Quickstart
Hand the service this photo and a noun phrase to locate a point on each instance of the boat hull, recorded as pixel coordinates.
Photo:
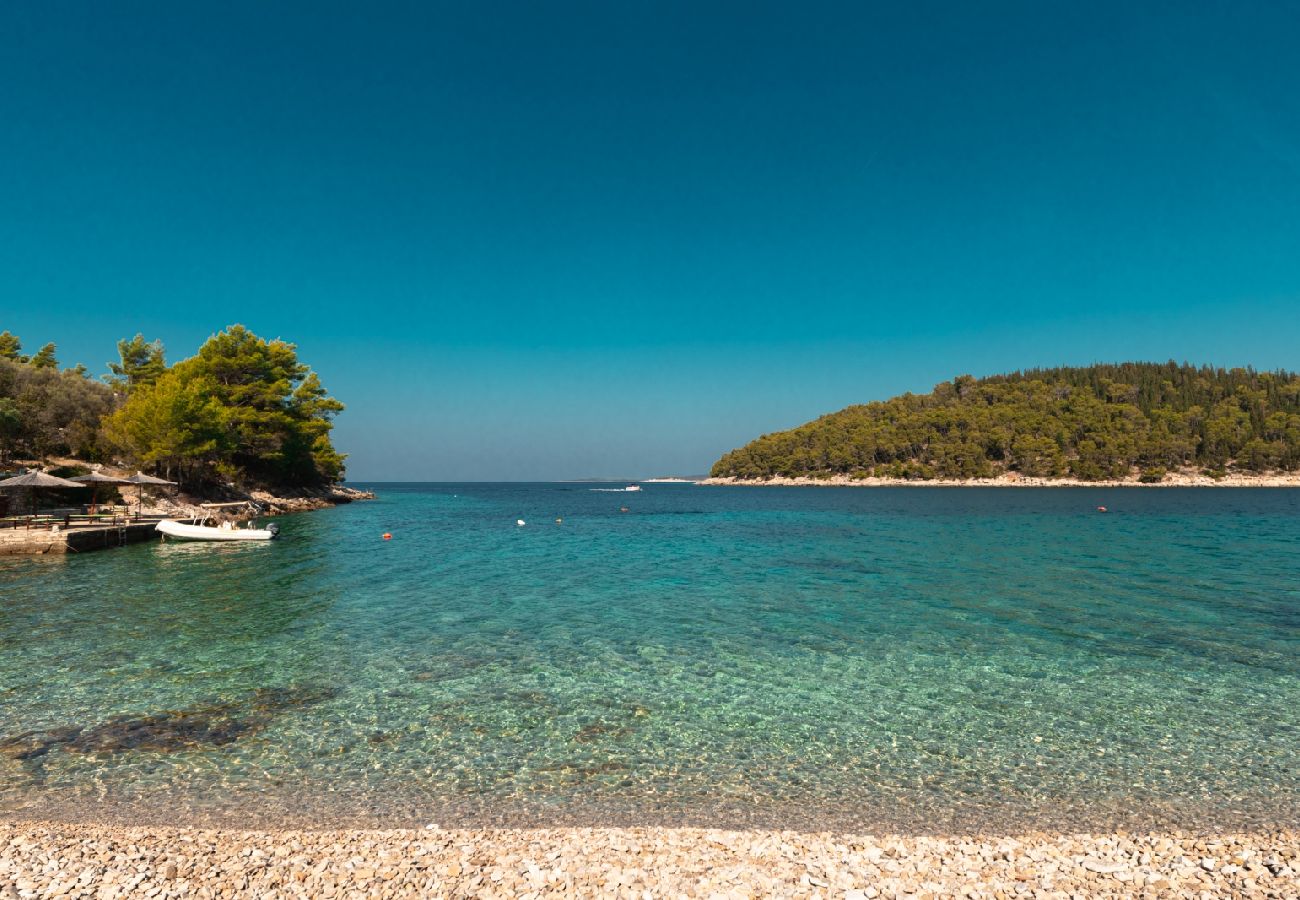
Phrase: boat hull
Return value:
(185, 532)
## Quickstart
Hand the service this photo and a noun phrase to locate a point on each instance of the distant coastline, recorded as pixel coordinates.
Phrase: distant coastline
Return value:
(1011, 480)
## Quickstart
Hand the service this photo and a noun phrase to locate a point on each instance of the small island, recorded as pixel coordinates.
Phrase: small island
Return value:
(1101, 425)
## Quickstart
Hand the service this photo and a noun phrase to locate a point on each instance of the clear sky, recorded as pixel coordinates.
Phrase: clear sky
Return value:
(553, 240)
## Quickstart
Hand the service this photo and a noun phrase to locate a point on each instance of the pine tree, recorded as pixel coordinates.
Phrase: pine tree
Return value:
(141, 362)
(10, 347)
(44, 358)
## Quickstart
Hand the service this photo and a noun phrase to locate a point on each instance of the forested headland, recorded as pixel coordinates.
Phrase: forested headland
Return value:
(1139, 421)
(243, 410)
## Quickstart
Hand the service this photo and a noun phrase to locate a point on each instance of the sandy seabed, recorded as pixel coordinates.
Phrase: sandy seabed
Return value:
(104, 861)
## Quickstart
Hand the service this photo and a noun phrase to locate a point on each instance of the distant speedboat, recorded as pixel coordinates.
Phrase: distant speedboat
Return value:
(632, 487)
(224, 532)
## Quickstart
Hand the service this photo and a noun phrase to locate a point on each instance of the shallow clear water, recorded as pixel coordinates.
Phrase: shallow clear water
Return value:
(917, 659)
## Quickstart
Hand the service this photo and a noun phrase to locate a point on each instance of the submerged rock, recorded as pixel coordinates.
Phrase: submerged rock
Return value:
(32, 744)
(164, 732)
(595, 731)
(214, 725)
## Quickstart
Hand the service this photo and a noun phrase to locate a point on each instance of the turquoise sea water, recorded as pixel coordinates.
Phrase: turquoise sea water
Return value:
(915, 659)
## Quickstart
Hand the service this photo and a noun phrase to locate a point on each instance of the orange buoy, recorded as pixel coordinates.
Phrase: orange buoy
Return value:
(1102, 509)
(387, 536)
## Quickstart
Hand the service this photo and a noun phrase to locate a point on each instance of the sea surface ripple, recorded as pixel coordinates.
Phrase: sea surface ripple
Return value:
(920, 660)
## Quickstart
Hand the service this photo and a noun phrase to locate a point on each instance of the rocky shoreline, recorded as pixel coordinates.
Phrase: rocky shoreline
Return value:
(170, 501)
(106, 862)
(1177, 479)
(268, 504)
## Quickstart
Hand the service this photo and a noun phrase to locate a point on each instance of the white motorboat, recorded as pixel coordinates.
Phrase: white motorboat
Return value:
(226, 531)
(189, 531)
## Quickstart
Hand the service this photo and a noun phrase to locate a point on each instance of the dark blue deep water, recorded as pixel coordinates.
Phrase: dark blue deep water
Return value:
(915, 659)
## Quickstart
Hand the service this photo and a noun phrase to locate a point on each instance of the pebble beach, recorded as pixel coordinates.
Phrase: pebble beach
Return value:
(103, 861)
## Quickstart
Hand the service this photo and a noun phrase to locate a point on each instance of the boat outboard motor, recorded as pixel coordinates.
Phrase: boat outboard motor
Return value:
(273, 528)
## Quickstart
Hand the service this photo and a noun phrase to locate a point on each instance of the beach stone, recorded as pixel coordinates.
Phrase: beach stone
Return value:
(106, 861)
(1101, 867)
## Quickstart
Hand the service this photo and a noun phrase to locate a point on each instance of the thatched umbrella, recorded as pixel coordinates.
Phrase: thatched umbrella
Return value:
(35, 481)
(95, 479)
(139, 479)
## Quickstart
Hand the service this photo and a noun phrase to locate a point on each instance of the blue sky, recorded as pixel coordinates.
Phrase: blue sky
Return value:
(558, 240)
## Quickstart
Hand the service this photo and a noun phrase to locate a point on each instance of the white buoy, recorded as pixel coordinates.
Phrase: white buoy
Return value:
(520, 522)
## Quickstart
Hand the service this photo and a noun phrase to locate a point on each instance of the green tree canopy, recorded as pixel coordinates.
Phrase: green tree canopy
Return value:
(11, 426)
(57, 412)
(175, 424)
(243, 407)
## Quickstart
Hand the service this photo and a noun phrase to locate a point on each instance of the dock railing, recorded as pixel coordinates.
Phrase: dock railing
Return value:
(65, 520)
